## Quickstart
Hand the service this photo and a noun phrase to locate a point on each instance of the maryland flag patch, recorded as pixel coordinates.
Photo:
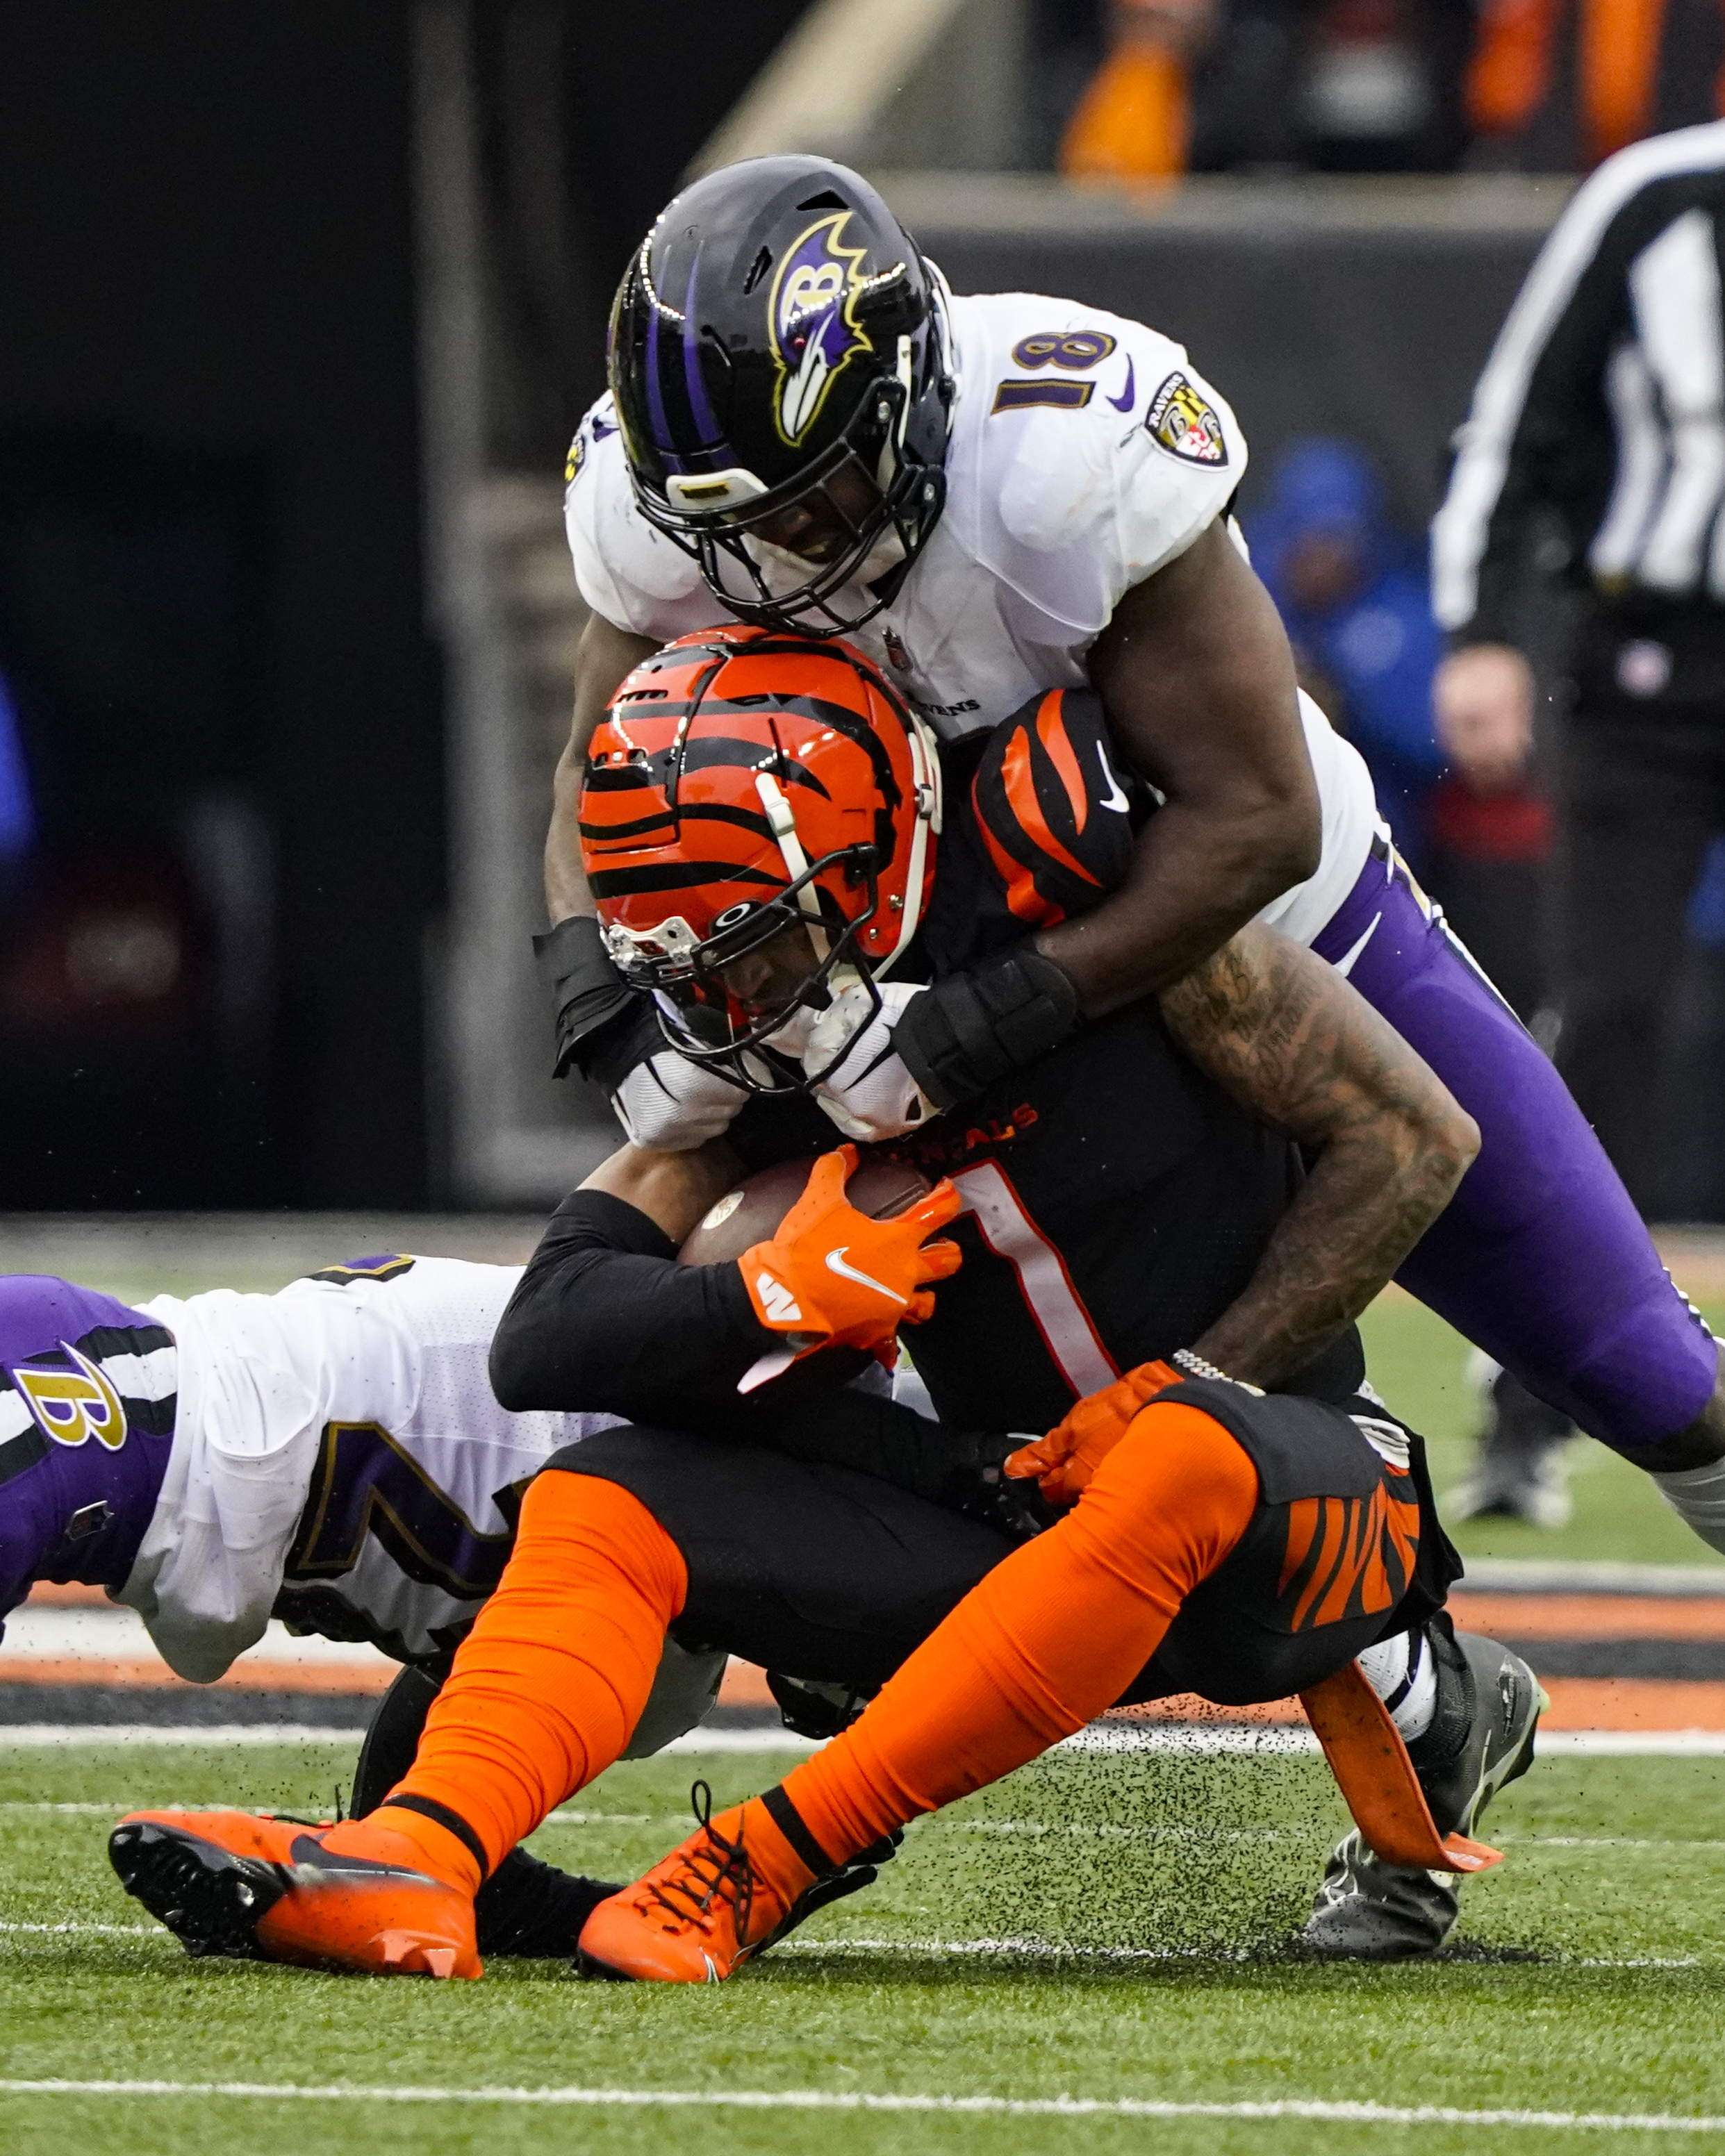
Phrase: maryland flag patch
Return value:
(575, 460)
(1186, 423)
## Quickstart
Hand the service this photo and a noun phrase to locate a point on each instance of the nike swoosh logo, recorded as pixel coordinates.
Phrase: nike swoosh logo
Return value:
(835, 1264)
(1116, 799)
(1124, 402)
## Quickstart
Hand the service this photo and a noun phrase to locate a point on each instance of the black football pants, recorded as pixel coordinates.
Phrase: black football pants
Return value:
(1641, 795)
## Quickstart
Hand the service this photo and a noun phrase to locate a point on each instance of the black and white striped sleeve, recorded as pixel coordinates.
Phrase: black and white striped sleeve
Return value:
(1603, 398)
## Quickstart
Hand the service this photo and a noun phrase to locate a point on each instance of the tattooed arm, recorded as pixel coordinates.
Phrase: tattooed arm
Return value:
(1285, 1035)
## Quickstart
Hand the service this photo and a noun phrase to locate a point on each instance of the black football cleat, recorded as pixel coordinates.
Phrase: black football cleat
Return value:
(1480, 1738)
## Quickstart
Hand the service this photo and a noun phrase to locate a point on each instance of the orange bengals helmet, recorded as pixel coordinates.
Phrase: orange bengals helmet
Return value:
(743, 782)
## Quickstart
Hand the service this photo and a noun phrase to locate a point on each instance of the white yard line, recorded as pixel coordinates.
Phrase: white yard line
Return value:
(1057, 2106)
(1107, 1737)
(39, 1735)
(1030, 1948)
(1046, 1950)
(54, 1736)
(47, 1631)
(105, 1930)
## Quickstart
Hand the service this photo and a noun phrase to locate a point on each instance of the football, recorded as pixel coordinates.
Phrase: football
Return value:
(751, 1213)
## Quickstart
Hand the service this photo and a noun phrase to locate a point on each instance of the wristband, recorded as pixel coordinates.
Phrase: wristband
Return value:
(601, 1021)
(960, 1035)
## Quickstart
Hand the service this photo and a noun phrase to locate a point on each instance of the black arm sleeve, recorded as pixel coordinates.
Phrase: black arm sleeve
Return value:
(604, 1026)
(605, 1320)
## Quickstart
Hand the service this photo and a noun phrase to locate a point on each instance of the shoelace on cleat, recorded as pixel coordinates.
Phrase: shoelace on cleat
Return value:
(715, 1869)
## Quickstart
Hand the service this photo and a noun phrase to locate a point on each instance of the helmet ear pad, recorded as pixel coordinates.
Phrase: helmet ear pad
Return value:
(741, 783)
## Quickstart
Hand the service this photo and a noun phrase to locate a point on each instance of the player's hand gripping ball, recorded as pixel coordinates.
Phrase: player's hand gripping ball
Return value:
(1063, 1461)
(831, 1276)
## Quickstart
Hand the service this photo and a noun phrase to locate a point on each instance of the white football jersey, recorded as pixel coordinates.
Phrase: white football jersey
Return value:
(1085, 455)
(338, 1458)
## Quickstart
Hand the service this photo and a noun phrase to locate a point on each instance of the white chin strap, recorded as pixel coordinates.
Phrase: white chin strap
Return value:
(783, 822)
(926, 779)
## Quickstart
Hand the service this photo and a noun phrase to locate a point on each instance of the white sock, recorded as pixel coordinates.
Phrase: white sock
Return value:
(1697, 1494)
(1403, 1675)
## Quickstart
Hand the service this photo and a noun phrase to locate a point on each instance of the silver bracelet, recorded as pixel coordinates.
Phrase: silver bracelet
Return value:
(1195, 1366)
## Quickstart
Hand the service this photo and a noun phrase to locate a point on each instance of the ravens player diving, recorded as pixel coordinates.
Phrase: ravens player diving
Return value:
(994, 496)
(332, 1454)
(1131, 1227)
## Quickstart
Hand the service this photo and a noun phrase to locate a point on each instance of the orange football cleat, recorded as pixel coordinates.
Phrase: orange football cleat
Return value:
(267, 1889)
(737, 1886)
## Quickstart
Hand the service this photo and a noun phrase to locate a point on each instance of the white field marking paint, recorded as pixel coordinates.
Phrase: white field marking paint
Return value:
(1101, 1736)
(1281, 1736)
(121, 1805)
(105, 1930)
(102, 1811)
(1633, 1743)
(54, 1736)
(931, 1950)
(1071, 1828)
(1036, 1949)
(734, 1741)
(1190, 1736)
(1053, 2107)
(1512, 1841)
(1075, 1830)
(606, 1818)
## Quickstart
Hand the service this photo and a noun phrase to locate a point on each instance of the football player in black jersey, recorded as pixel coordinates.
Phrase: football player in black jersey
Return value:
(762, 823)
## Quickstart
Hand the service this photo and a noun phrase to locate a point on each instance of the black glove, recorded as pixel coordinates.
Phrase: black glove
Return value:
(969, 1029)
(976, 1485)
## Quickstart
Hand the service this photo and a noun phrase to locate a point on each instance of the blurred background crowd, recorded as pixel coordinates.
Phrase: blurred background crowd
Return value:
(304, 303)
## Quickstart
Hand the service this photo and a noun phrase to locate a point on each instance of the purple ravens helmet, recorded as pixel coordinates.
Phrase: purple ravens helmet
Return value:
(778, 343)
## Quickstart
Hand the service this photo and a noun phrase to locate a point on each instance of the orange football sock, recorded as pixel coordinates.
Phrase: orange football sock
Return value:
(546, 1687)
(1051, 1637)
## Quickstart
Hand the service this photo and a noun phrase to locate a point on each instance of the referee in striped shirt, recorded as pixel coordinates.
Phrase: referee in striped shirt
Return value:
(1596, 445)
(1597, 440)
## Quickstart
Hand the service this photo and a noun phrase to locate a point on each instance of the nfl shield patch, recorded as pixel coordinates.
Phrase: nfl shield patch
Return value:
(1186, 423)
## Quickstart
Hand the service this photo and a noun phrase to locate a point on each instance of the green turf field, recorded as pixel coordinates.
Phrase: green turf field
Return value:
(1593, 1977)
(1590, 1978)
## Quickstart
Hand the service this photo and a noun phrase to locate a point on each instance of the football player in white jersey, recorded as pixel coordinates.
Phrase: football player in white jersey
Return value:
(997, 495)
(333, 1454)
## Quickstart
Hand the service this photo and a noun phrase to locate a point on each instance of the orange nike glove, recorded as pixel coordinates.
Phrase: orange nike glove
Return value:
(833, 1276)
(1063, 1461)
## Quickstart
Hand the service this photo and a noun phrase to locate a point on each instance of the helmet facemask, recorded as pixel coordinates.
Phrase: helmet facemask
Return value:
(700, 1011)
(735, 555)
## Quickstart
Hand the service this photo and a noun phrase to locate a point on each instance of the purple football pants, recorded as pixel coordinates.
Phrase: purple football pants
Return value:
(1540, 1258)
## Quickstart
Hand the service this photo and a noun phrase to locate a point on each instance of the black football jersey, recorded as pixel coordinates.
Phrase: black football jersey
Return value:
(1117, 1201)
